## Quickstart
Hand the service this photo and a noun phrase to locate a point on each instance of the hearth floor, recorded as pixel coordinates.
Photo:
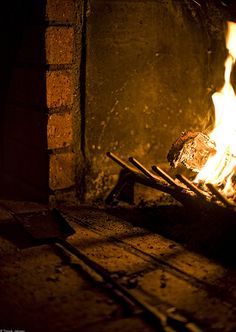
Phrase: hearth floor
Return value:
(44, 288)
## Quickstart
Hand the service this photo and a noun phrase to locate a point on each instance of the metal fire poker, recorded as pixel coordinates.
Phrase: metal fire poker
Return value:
(129, 176)
(140, 174)
(220, 197)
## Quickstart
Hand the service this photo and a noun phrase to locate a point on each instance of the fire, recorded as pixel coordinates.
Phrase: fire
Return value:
(220, 168)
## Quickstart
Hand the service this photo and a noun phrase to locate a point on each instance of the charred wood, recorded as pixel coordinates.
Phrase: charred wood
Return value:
(191, 149)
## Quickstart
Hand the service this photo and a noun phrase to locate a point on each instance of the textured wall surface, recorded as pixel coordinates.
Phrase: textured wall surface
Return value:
(63, 48)
(151, 68)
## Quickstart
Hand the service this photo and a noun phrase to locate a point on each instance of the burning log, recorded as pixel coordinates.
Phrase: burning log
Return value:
(192, 149)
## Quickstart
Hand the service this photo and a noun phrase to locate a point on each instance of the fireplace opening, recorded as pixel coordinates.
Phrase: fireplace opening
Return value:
(86, 244)
(125, 77)
(151, 70)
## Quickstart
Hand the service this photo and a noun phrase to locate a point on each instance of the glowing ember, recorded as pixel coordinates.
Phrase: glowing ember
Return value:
(220, 168)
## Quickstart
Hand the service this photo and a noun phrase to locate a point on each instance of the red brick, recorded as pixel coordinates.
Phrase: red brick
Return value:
(59, 130)
(62, 171)
(59, 45)
(59, 89)
(60, 10)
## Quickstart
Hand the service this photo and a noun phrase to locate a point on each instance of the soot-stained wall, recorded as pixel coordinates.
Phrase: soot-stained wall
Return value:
(151, 68)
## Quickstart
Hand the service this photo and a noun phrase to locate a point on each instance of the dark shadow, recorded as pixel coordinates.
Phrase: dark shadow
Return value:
(208, 232)
(23, 110)
(17, 235)
(128, 226)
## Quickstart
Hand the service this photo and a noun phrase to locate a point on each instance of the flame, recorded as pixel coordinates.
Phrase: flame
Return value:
(220, 168)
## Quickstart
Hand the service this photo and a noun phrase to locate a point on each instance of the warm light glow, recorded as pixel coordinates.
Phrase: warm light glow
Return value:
(220, 168)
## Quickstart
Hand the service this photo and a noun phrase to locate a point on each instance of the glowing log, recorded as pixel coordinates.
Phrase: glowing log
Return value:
(192, 149)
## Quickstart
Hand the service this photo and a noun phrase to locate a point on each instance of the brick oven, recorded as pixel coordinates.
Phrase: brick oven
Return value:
(78, 79)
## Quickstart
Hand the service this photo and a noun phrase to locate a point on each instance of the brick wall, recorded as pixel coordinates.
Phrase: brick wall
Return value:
(63, 44)
(40, 121)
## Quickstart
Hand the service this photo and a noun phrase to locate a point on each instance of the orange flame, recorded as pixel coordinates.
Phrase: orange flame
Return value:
(220, 168)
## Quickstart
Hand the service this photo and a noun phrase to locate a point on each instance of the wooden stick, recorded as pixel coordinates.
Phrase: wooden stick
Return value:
(191, 186)
(220, 197)
(165, 176)
(120, 162)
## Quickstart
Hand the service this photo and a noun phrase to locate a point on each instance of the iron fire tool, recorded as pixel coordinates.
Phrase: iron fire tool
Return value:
(50, 227)
(188, 195)
(124, 189)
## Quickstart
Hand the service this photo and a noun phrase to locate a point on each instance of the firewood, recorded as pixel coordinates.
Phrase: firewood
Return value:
(191, 149)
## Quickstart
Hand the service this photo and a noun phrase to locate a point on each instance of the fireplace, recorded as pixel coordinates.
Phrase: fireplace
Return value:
(151, 68)
(87, 78)
(84, 82)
